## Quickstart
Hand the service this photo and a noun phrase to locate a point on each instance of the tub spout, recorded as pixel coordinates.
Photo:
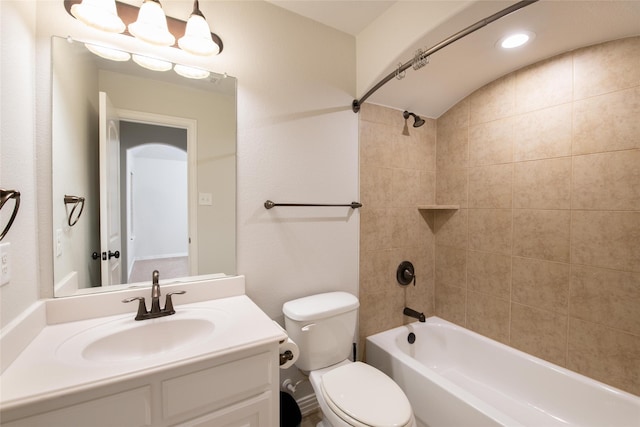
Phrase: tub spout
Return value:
(412, 313)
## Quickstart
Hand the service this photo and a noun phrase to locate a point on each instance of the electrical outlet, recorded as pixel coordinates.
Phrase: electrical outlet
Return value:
(5, 263)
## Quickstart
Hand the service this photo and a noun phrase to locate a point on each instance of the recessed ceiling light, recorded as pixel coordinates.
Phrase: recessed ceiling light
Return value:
(516, 39)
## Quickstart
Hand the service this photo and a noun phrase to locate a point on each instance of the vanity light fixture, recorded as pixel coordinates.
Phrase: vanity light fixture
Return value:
(99, 14)
(153, 64)
(516, 39)
(108, 53)
(151, 25)
(197, 36)
(191, 72)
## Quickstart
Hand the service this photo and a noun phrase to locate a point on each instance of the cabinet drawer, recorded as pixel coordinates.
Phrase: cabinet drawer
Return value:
(127, 409)
(213, 387)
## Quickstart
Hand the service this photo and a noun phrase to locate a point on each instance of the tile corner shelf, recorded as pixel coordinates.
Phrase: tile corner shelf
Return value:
(439, 207)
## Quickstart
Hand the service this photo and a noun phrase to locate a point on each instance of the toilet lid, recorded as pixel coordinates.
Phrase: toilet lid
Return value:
(366, 395)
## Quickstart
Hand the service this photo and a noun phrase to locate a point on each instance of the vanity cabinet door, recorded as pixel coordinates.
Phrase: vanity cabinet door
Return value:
(130, 408)
(255, 412)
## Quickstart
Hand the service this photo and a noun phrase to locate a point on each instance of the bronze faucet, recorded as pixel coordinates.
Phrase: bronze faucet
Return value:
(156, 311)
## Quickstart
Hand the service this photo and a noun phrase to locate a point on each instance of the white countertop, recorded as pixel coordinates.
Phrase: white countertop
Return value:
(42, 370)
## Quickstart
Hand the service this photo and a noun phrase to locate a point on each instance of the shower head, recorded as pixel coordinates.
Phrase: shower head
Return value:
(418, 121)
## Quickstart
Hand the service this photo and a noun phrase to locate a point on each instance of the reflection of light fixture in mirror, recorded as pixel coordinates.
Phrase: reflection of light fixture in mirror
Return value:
(197, 36)
(152, 63)
(108, 53)
(516, 39)
(100, 14)
(151, 25)
(191, 72)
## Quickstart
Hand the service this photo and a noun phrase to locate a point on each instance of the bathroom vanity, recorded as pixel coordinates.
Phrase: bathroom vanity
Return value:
(213, 363)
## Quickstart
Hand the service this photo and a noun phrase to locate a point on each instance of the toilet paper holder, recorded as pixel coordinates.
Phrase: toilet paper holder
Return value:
(285, 357)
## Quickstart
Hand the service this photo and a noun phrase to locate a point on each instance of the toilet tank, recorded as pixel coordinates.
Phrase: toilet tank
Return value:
(323, 327)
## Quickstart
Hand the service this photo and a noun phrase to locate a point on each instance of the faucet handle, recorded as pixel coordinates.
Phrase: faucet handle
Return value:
(142, 306)
(168, 305)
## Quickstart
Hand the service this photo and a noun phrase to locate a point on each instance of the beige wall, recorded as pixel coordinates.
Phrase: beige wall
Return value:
(544, 254)
(397, 172)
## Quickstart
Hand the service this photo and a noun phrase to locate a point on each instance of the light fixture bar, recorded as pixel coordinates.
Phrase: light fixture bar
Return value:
(129, 14)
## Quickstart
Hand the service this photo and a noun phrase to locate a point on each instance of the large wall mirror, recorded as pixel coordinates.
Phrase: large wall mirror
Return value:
(144, 173)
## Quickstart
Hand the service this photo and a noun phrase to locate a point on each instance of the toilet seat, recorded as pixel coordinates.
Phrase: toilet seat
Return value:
(365, 397)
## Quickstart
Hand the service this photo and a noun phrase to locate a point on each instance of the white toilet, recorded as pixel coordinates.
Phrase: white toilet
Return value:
(349, 393)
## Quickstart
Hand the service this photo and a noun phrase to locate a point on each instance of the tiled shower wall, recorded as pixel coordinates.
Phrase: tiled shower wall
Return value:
(397, 172)
(544, 252)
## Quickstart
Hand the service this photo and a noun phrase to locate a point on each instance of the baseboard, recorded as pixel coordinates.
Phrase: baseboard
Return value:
(308, 404)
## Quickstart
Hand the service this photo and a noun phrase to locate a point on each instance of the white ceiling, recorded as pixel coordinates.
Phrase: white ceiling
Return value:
(468, 64)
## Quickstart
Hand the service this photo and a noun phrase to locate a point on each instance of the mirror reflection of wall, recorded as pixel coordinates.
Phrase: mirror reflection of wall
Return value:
(154, 201)
(210, 109)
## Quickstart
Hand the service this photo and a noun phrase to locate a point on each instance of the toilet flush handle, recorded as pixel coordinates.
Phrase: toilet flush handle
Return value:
(308, 327)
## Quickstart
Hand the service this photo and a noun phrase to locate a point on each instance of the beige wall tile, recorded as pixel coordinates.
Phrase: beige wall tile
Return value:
(375, 229)
(452, 228)
(542, 234)
(489, 273)
(377, 270)
(490, 230)
(491, 186)
(607, 181)
(605, 354)
(607, 67)
(608, 297)
(378, 114)
(541, 284)
(488, 315)
(376, 189)
(494, 101)
(409, 229)
(451, 187)
(456, 117)
(380, 311)
(376, 144)
(539, 332)
(416, 151)
(492, 142)
(452, 150)
(543, 134)
(607, 122)
(451, 303)
(406, 187)
(545, 84)
(427, 193)
(542, 184)
(606, 239)
(451, 267)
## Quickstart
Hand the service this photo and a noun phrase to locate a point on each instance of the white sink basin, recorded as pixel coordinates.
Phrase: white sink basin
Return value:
(124, 339)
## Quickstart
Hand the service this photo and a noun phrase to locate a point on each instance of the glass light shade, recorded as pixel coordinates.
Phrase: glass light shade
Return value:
(100, 14)
(151, 25)
(108, 53)
(152, 63)
(197, 37)
(191, 72)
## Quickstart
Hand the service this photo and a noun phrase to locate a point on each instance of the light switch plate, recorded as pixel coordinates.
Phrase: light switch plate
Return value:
(205, 199)
(5, 263)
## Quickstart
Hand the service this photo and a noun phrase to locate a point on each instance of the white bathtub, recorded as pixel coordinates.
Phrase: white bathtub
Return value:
(455, 377)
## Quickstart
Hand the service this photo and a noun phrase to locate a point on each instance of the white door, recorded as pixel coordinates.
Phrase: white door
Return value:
(110, 234)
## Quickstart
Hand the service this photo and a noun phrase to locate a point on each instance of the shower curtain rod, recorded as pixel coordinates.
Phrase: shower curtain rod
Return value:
(422, 57)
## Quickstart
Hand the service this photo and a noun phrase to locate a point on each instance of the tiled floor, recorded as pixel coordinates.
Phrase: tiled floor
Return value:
(312, 419)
